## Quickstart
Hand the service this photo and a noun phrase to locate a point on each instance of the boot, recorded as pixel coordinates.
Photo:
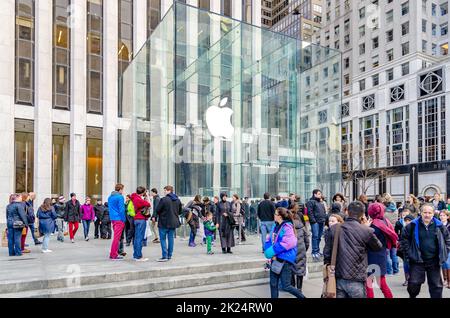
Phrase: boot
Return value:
(406, 279)
(299, 283)
(229, 250)
(445, 274)
(224, 250)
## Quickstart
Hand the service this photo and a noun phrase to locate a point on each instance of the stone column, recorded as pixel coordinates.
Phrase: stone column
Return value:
(7, 166)
(43, 101)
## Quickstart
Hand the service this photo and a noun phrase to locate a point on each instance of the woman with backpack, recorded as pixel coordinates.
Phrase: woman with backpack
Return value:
(47, 216)
(192, 213)
(281, 249)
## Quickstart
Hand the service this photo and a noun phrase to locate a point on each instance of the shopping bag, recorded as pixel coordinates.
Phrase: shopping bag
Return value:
(148, 230)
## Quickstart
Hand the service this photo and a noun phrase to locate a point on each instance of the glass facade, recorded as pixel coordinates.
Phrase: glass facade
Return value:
(95, 56)
(94, 162)
(213, 108)
(24, 155)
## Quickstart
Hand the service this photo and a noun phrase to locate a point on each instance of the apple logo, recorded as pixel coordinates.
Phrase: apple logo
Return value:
(218, 120)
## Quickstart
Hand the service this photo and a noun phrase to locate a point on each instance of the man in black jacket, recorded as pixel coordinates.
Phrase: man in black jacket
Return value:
(317, 217)
(425, 243)
(99, 210)
(266, 214)
(154, 226)
(355, 238)
(168, 211)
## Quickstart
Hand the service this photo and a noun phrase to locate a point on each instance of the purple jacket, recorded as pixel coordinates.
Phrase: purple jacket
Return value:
(87, 212)
(282, 243)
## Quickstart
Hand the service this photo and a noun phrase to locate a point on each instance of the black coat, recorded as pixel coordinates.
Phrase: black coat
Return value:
(225, 222)
(266, 211)
(302, 247)
(316, 211)
(60, 209)
(355, 240)
(15, 212)
(106, 218)
(156, 200)
(168, 210)
(99, 211)
(72, 211)
(378, 258)
(411, 249)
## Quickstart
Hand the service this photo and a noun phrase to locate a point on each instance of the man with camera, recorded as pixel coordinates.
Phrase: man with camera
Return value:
(142, 210)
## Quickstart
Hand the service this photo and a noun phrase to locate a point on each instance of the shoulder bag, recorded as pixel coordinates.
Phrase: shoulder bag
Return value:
(275, 265)
(329, 279)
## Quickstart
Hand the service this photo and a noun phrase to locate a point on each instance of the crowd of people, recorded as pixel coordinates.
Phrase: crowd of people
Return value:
(371, 237)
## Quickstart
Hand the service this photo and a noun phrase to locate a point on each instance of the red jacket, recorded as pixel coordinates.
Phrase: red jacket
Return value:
(139, 205)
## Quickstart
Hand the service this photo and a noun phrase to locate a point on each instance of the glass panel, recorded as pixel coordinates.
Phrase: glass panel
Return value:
(94, 163)
(221, 111)
(60, 159)
(24, 155)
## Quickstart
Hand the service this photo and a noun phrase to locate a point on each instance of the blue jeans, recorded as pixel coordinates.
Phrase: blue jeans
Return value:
(46, 241)
(166, 234)
(14, 236)
(31, 226)
(391, 261)
(139, 233)
(285, 277)
(317, 231)
(86, 224)
(266, 227)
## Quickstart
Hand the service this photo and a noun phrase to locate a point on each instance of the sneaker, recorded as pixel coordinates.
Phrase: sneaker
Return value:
(26, 251)
(118, 258)
(210, 253)
(37, 243)
(47, 251)
(86, 239)
(162, 259)
(141, 259)
(405, 283)
(123, 254)
(72, 240)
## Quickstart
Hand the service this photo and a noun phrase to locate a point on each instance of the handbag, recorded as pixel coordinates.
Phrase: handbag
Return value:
(18, 225)
(329, 279)
(276, 266)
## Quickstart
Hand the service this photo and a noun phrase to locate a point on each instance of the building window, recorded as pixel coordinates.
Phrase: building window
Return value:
(375, 80)
(345, 110)
(61, 55)
(362, 66)
(375, 61)
(153, 15)
(424, 25)
(431, 129)
(405, 68)
(433, 29)
(347, 62)
(322, 117)
(95, 56)
(347, 146)
(24, 53)
(125, 48)
(94, 162)
(369, 141)
(405, 48)
(397, 134)
(362, 48)
(362, 31)
(368, 102)
(346, 79)
(375, 43)
(362, 85)
(444, 28)
(226, 8)
(424, 46)
(405, 8)
(389, 16)
(362, 13)
(397, 93)
(390, 55)
(390, 74)
(247, 11)
(24, 155)
(389, 36)
(444, 9)
(405, 28)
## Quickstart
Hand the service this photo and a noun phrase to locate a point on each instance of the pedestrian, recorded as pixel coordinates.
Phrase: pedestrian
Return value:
(340, 198)
(281, 249)
(226, 224)
(238, 213)
(408, 219)
(265, 213)
(377, 260)
(60, 209)
(355, 239)
(399, 226)
(413, 205)
(154, 225)
(116, 205)
(332, 220)
(210, 229)
(87, 216)
(31, 216)
(391, 211)
(299, 269)
(47, 216)
(317, 217)
(444, 215)
(425, 242)
(363, 198)
(73, 216)
(142, 213)
(16, 222)
(105, 228)
(438, 204)
(169, 209)
(99, 210)
(129, 223)
(448, 204)
(192, 213)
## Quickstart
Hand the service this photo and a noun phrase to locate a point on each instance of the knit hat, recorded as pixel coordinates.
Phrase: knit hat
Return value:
(223, 194)
(409, 217)
(376, 210)
(61, 199)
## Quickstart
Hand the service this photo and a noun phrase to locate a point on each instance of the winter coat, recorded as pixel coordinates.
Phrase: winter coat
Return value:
(316, 211)
(116, 206)
(225, 222)
(236, 209)
(302, 247)
(355, 240)
(439, 206)
(60, 209)
(193, 211)
(139, 205)
(87, 212)
(266, 211)
(29, 210)
(15, 212)
(46, 220)
(410, 243)
(210, 228)
(72, 211)
(105, 219)
(99, 210)
(378, 258)
(156, 200)
(282, 243)
(169, 209)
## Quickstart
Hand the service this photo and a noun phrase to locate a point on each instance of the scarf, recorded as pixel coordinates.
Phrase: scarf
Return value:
(376, 212)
